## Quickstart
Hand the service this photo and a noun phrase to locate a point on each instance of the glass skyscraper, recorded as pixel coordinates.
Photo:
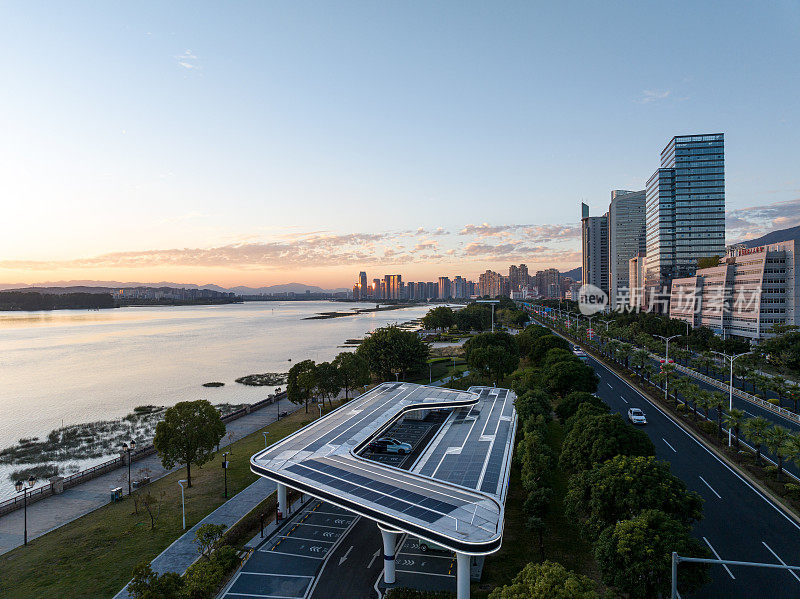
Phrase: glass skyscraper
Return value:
(685, 209)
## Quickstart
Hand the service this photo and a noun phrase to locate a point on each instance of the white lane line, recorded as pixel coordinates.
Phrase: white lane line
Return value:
(609, 385)
(623, 399)
(668, 445)
(305, 539)
(783, 563)
(748, 412)
(714, 551)
(710, 487)
(291, 554)
(272, 574)
(425, 573)
(263, 596)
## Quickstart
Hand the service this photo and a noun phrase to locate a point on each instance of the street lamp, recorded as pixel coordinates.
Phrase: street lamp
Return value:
(492, 302)
(183, 503)
(128, 449)
(21, 487)
(666, 361)
(319, 405)
(225, 470)
(730, 385)
(606, 322)
(265, 439)
(278, 401)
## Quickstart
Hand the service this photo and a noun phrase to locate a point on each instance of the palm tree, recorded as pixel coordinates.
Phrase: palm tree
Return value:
(778, 385)
(718, 402)
(613, 347)
(681, 385)
(639, 358)
(793, 392)
(626, 351)
(793, 449)
(692, 393)
(705, 361)
(740, 371)
(648, 370)
(704, 399)
(776, 441)
(756, 429)
(733, 419)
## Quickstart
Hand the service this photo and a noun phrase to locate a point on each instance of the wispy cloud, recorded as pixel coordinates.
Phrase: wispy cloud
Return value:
(653, 95)
(188, 60)
(754, 221)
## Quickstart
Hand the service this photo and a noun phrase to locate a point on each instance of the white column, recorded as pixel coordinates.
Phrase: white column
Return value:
(389, 548)
(462, 575)
(282, 506)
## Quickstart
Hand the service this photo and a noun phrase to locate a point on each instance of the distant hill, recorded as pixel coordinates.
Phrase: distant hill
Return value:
(775, 237)
(59, 287)
(574, 274)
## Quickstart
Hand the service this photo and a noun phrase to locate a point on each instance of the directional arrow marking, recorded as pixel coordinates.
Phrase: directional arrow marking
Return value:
(344, 557)
(374, 557)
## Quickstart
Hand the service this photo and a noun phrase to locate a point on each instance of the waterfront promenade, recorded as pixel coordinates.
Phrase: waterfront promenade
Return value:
(57, 510)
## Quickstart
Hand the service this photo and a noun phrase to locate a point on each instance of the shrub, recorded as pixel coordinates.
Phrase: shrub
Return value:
(406, 593)
(202, 580)
(548, 580)
(774, 401)
(570, 404)
(708, 427)
(792, 490)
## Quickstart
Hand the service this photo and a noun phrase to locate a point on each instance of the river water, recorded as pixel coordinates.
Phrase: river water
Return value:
(75, 366)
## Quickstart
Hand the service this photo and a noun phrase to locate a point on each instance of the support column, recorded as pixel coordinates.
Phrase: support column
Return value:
(462, 576)
(389, 548)
(282, 504)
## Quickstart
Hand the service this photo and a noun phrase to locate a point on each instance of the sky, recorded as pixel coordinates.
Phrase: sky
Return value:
(258, 143)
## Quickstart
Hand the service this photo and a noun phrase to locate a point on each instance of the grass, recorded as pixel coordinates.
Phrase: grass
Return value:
(562, 540)
(94, 555)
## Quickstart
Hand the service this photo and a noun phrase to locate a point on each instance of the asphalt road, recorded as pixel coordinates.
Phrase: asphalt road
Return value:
(739, 522)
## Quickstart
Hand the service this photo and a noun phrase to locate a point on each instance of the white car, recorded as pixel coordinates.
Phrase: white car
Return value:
(426, 546)
(636, 416)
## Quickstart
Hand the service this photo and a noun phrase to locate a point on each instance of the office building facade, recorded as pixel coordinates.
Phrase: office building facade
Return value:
(684, 209)
(750, 292)
(626, 240)
(594, 240)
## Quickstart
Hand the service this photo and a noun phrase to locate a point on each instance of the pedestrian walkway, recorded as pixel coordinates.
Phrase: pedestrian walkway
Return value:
(183, 552)
(57, 510)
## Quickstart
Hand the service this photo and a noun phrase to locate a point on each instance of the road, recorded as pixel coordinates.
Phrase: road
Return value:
(739, 522)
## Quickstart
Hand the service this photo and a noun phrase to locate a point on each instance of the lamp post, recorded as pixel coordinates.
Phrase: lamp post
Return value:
(430, 374)
(731, 359)
(492, 302)
(666, 361)
(590, 326)
(606, 322)
(319, 405)
(22, 487)
(128, 449)
(278, 402)
(183, 503)
(265, 439)
(225, 470)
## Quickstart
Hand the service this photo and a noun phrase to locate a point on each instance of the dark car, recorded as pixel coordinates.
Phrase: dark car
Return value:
(389, 445)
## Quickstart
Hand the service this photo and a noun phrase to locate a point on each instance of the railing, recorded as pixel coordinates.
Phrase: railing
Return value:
(73, 480)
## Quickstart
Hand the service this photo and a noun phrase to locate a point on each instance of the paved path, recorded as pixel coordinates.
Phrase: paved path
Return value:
(55, 511)
(183, 552)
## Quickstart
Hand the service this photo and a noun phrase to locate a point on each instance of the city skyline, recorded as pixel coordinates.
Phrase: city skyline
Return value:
(210, 146)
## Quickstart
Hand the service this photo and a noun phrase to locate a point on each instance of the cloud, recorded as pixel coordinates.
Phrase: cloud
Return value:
(437, 231)
(188, 60)
(548, 233)
(487, 230)
(426, 246)
(754, 221)
(653, 95)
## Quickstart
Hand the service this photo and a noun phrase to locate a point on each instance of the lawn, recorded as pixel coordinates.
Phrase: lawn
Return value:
(95, 555)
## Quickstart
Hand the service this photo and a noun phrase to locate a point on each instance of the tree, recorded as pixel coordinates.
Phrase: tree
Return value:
(188, 434)
(474, 317)
(152, 504)
(622, 488)
(776, 441)
(718, 402)
(734, 419)
(440, 318)
(544, 344)
(391, 350)
(595, 439)
(548, 580)
(353, 371)
(756, 429)
(568, 376)
(328, 383)
(635, 556)
(500, 339)
(207, 538)
(532, 403)
(302, 382)
(528, 336)
(569, 404)
(492, 361)
(146, 584)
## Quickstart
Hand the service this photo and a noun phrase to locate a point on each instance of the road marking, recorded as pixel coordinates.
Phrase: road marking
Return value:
(325, 526)
(748, 412)
(425, 573)
(264, 596)
(273, 574)
(609, 385)
(623, 399)
(374, 557)
(783, 563)
(291, 554)
(305, 539)
(345, 556)
(710, 487)
(668, 445)
(714, 551)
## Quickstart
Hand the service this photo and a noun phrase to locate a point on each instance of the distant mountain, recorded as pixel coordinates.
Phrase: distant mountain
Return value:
(104, 286)
(775, 237)
(574, 274)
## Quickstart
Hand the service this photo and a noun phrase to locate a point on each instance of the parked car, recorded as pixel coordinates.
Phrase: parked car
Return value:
(636, 416)
(426, 546)
(283, 414)
(390, 445)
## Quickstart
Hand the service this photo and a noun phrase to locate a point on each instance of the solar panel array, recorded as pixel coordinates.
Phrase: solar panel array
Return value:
(416, 505)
